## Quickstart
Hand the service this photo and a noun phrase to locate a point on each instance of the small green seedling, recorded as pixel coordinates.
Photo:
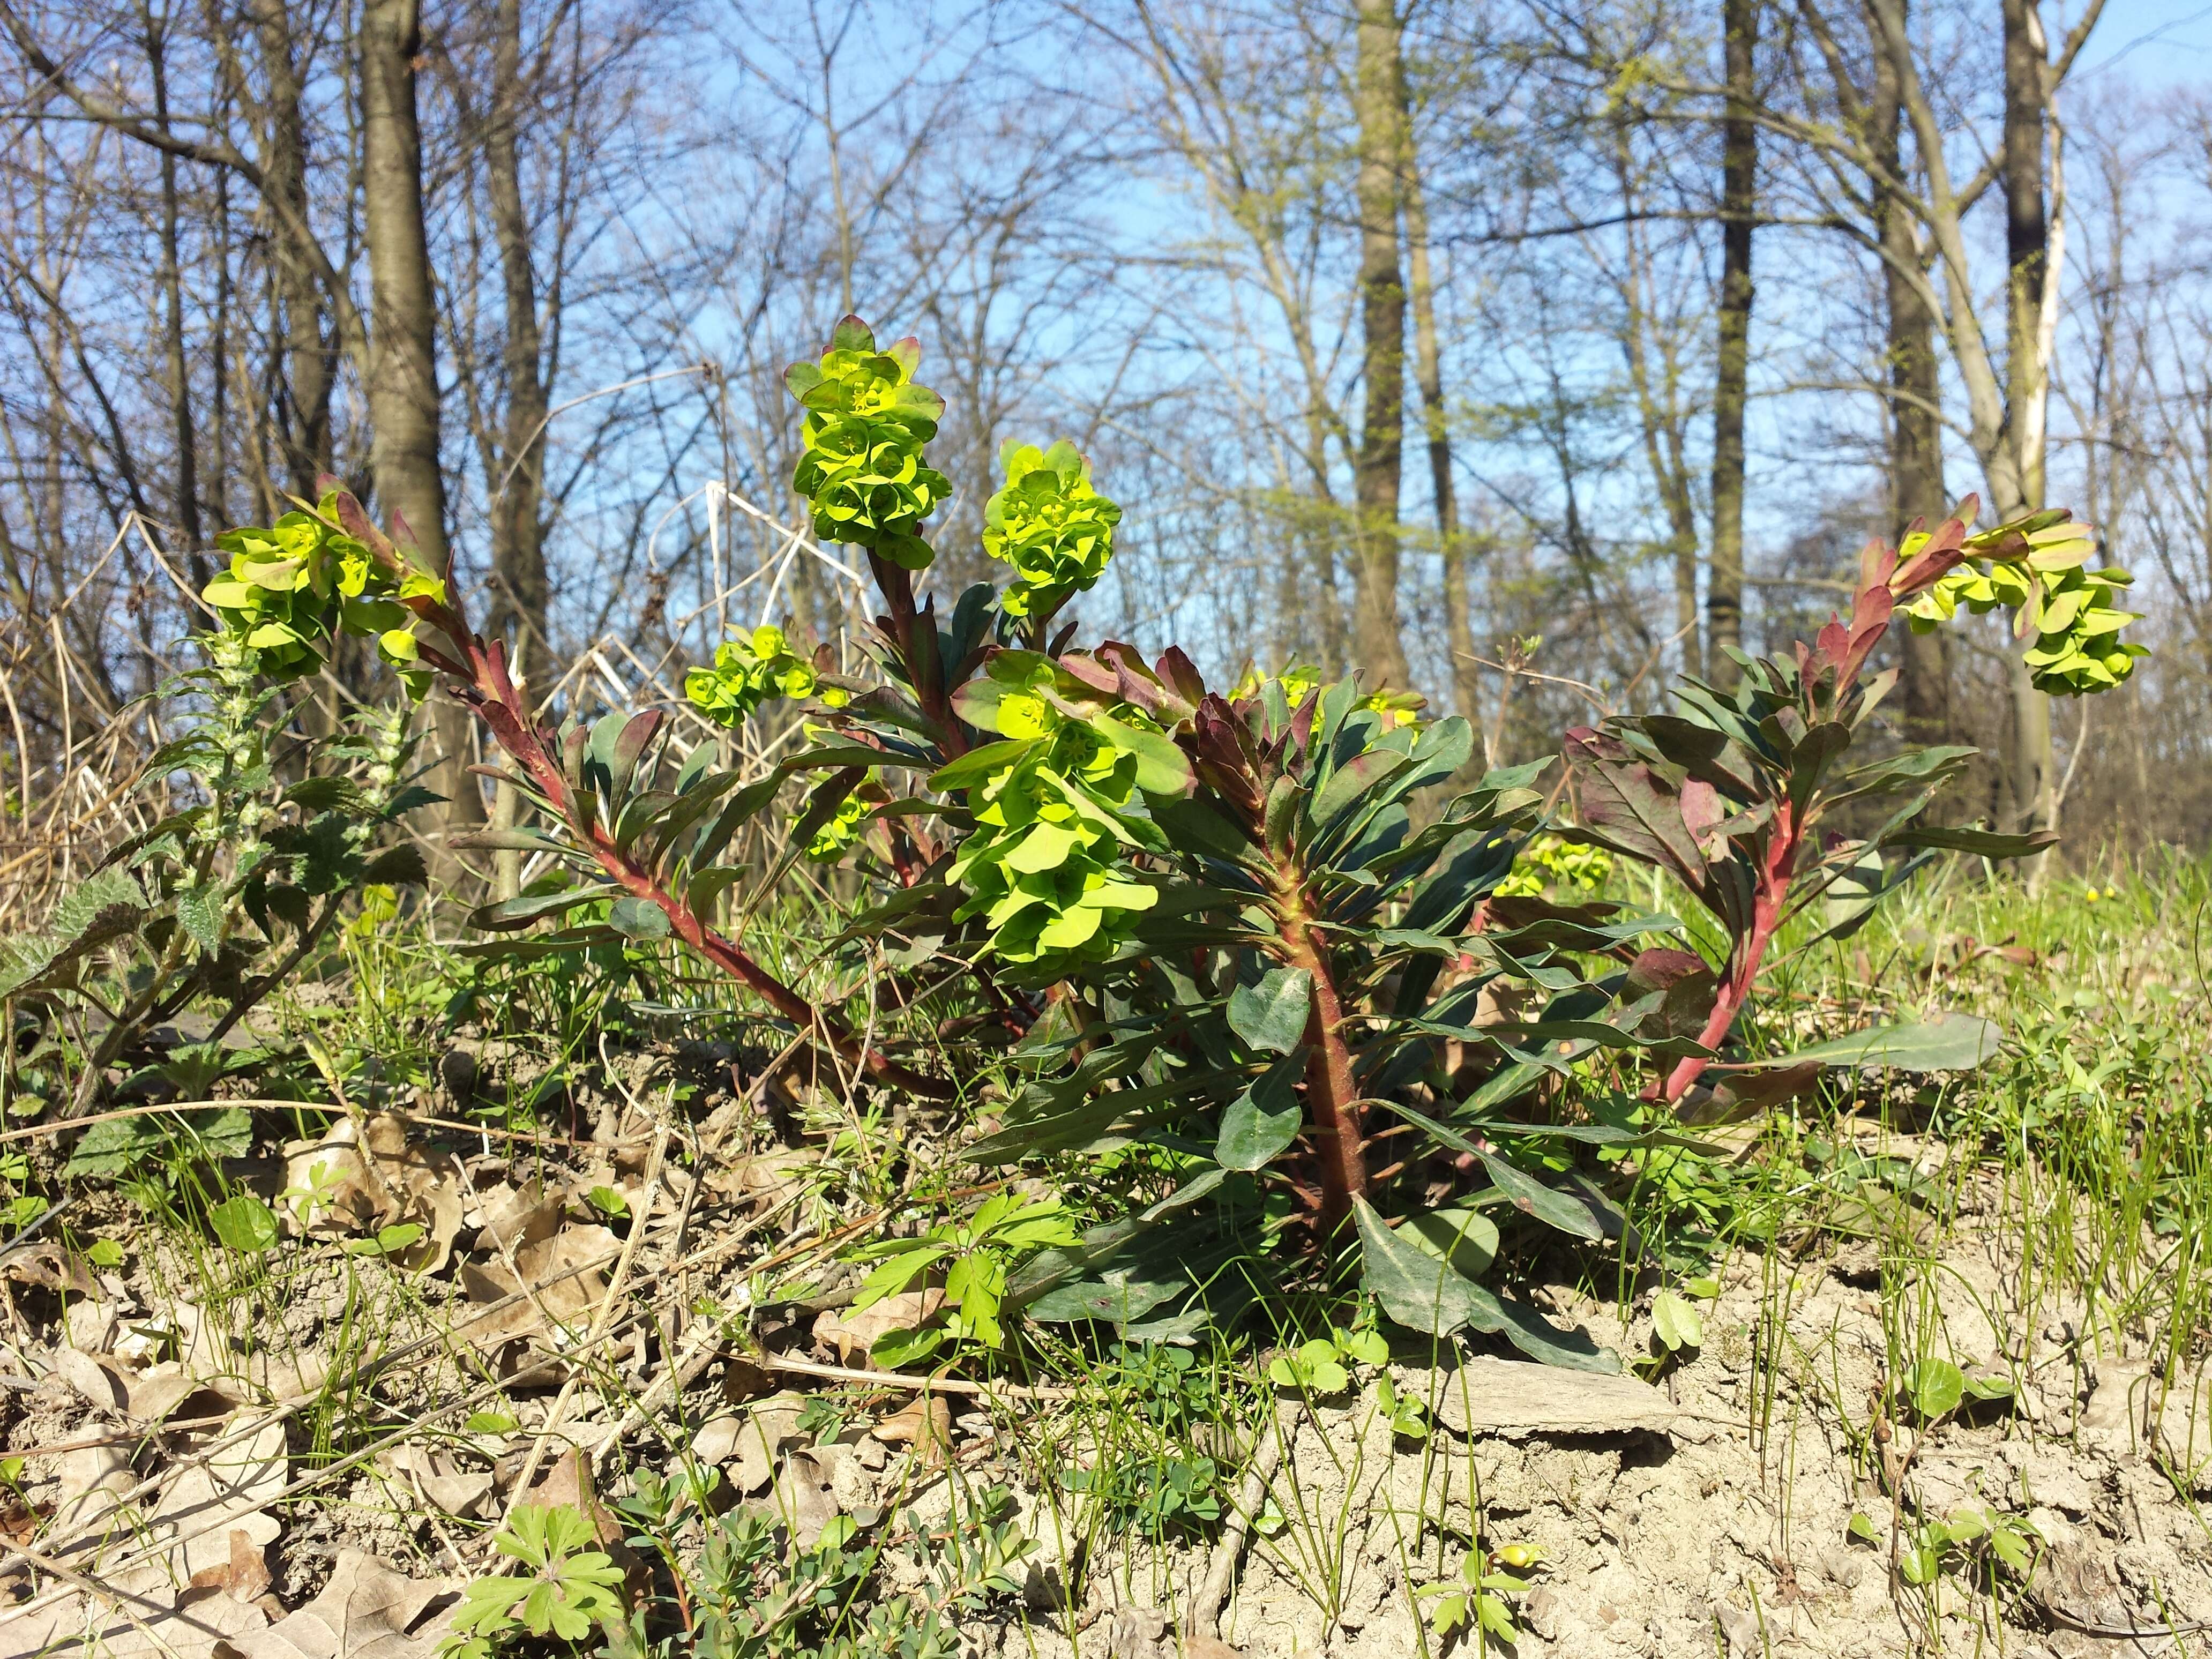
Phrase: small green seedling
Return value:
(609, 1203)
(1408, 1417)
(1321, 1366)
(387, 1241)
(1676, 1322)
(975, 1253)
(244, 1224)
(569, 1591)
(1479, 1594)
(1976, 1537)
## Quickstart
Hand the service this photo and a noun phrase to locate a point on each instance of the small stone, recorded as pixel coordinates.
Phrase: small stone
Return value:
(1541, 1611)
(1485, 1396)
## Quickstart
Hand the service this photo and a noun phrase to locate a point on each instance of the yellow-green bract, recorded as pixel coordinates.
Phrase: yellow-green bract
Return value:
(1548, 860)
(1050, 525)
(295, 585)
(1045, 864)
(862, 467)
(831, 840)
(1298, 680)
(2068, 608)
(748, 671)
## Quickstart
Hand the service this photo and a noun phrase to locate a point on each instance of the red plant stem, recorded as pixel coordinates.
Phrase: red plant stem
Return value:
(925, 672)
(479, 677)
(1331, 1093)
(1775, 869)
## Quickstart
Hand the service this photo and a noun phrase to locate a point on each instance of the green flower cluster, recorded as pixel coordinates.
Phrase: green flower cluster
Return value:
(831, 840)
(1045, 867)
(748, 671)
(1050, 525)
(1299, 679)
(862, 467)
(1549, 861)
(2066, 608)
(293, 586)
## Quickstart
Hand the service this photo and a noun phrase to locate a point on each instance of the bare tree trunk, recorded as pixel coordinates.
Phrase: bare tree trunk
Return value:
(310, 369)
(2027, 92)
(519, 593)
(1452, 550)
(403, 379)
(172, 280)
(1377, 466)
(1739, 205)
(1915, 435)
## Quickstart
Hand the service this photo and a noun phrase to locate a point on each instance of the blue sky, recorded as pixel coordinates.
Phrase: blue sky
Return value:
(2157, 43)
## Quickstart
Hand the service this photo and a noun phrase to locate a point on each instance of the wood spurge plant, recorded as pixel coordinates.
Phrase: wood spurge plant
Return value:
(1272, 942)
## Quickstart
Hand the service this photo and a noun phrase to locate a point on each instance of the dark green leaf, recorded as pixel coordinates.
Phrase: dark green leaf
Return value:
(1426, 1293)
(1272, 1013)
(638, 919)
(1954, 1042)
(516, 913)
(397, 867)
(1987, 843)
(244, 1224)
(1263, 1121)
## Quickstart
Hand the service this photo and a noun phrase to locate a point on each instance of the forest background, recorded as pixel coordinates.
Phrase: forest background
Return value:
(1520, 353)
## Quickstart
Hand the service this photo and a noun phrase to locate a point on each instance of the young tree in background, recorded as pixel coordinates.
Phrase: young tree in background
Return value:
(1379, 102)
(403, 366)
(1916, 430)
(1739, 209)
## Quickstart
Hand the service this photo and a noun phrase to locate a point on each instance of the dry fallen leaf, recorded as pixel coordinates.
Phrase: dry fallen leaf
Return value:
(748, 1443)
(98, 1379)
(763, 1181)
(47, 1266)
(329, 1188)
(805, 1499)
(193, 1624)
(367, 1610)
(145, 1612)
(922, 1424)
(439, 1478)
(244, 1576)
(566, 1296)
(212, 1499)
(168, 1390)
(518, 1215)
(91, 1478)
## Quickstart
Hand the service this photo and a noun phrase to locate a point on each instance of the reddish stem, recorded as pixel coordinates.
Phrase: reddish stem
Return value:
(925, 672)
(1331, 1093)
(1775, 869)
(479, 677)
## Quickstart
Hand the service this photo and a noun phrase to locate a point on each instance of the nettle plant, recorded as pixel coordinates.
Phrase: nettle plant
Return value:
(1264, 949)
(227, 894)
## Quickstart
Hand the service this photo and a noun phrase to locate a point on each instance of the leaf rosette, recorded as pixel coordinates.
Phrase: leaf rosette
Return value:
(2038, 571)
